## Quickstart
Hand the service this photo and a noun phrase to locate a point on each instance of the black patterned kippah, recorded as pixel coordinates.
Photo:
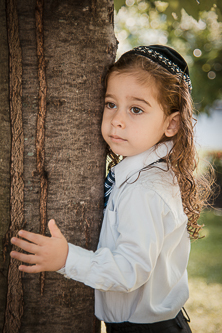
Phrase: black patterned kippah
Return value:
(166, 57)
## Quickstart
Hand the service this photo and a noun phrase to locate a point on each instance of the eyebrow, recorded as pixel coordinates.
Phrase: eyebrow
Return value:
(135, 98)
(141, 100)
(108, 95)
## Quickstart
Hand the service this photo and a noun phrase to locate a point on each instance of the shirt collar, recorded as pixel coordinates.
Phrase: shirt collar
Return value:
(131, 165)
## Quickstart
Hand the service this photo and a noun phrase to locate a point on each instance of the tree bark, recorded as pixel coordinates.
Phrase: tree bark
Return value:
(5, 147)
(65, 49)
(14, 308)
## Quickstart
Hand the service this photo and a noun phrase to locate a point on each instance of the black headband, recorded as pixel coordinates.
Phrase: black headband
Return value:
(166, 57)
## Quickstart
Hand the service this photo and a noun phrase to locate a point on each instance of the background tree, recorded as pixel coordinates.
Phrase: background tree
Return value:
(53, 55)
(193, 29)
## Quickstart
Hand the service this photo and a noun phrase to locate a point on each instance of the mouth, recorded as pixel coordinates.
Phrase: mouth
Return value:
(116, 138)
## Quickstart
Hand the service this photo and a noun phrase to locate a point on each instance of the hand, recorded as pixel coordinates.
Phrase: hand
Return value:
(47, 253)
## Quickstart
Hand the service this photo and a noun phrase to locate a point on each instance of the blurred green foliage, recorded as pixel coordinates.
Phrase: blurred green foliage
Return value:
(192, 7)
(205, 259)
(215, 159)
(195, 30)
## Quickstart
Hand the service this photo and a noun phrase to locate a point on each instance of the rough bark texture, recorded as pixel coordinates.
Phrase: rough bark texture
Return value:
(14, 305)
(66, 46)
(40, 128)
(5, 146)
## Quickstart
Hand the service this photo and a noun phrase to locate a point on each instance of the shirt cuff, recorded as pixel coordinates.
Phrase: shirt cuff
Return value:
(78, 263)
(61, 271)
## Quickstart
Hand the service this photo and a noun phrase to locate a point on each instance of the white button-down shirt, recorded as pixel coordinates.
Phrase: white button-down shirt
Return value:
(139, 269)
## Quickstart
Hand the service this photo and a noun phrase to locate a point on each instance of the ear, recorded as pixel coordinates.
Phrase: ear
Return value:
(173, 124)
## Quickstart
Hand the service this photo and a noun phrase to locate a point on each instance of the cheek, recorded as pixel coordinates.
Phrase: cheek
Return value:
(105, 119)
(103, 126)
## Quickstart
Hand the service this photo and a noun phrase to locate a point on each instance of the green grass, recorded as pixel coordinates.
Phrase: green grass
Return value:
(205, 276)
(206, 254)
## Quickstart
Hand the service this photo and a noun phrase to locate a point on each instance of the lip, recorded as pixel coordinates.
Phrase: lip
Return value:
(116, 138)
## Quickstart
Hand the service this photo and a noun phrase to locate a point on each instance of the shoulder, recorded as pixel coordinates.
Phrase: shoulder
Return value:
(157, 189)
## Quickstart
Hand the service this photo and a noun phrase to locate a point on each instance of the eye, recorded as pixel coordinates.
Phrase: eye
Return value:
(136, 110)
(110, 105)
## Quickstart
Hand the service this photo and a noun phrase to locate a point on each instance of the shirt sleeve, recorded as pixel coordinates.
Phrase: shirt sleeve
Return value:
(140, 230)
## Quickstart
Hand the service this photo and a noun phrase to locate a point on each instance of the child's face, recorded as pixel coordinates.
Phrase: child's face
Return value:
(133, 120)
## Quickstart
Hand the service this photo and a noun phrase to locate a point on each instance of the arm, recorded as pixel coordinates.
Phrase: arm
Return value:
(126, 264)
(46, 253)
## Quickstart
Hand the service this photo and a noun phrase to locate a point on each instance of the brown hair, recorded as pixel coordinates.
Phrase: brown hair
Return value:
(173, 95)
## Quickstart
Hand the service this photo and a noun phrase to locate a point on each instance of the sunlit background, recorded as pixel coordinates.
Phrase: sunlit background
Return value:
(199, 41)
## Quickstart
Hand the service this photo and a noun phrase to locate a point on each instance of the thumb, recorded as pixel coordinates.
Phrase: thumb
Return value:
(54, 230)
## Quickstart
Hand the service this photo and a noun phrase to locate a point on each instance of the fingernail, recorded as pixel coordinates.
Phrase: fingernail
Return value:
(12, 254)
(13, 240)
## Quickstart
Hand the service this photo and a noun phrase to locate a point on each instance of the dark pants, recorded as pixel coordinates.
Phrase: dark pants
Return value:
(176, 325)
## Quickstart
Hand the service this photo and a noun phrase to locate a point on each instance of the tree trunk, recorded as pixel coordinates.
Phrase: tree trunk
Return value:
(58, 51)
(5, 136)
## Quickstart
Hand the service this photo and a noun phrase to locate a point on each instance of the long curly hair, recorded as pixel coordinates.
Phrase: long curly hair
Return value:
(173, 95)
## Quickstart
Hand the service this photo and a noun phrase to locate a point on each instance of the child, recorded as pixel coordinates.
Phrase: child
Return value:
(139, 269)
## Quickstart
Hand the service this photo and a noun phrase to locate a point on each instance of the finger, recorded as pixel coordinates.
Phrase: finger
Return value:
(24, 245)
(27, 258)
(30, 236)
(54, 230)
(30, 269)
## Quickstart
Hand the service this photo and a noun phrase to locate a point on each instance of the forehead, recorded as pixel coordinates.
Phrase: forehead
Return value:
(138, 78)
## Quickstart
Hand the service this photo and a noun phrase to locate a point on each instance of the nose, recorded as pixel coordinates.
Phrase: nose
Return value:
(118, 119)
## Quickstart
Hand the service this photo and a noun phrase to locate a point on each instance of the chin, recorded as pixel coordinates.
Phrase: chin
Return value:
(116, 151)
